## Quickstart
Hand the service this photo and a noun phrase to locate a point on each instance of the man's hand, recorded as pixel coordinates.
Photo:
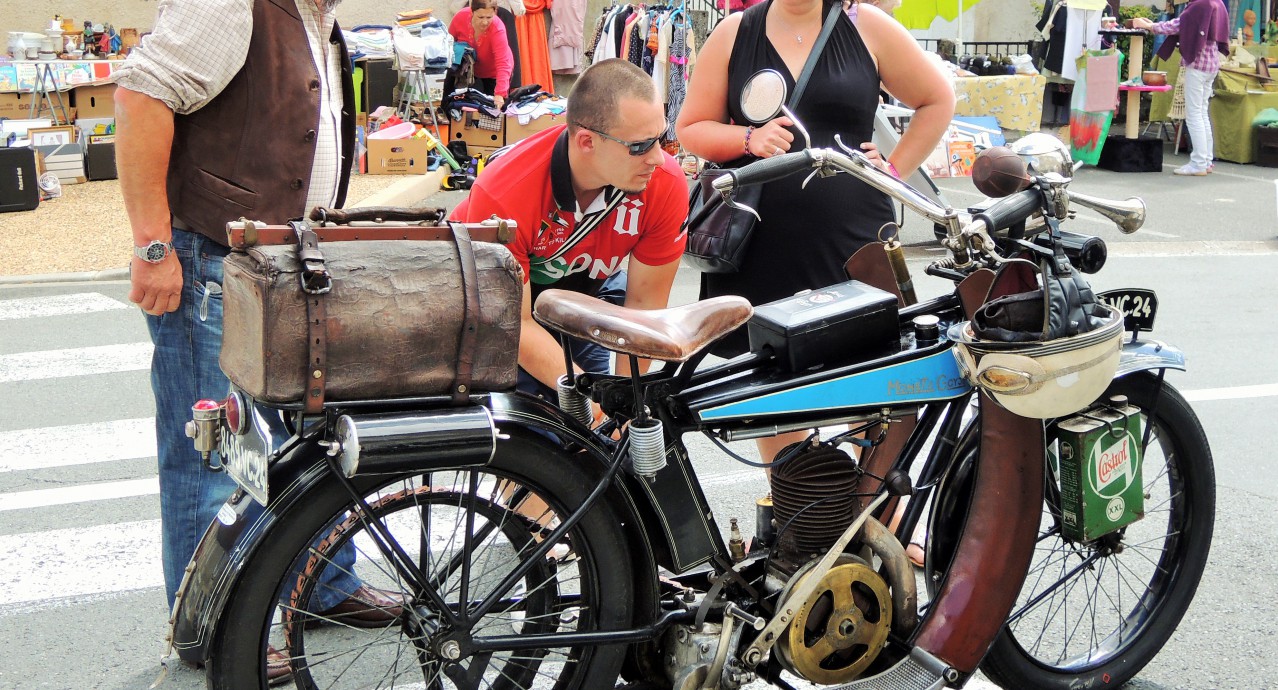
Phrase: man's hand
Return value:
(500, 102)
(157, 288)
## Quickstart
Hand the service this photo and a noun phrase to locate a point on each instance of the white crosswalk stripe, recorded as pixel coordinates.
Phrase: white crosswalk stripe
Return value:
(58, 305)
(80, 361)
(76, 444)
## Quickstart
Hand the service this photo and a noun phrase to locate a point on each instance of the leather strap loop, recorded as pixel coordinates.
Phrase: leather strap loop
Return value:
(316, 282)
(466, 343)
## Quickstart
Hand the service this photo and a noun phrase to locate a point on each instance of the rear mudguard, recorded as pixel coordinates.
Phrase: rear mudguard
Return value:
(234, 536)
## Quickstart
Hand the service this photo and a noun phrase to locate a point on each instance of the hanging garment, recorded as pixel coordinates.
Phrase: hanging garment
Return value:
(534, 49)
(1089, 129)
(507, 18)
(1082, 33)
(568, 22)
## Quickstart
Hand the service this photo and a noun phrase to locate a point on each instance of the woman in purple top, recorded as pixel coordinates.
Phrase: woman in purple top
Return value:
(1202, 32)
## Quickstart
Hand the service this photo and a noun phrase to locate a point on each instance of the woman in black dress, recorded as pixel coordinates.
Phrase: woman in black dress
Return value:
(806, 235)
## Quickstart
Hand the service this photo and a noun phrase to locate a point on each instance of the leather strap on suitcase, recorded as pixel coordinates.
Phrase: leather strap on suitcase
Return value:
(316, 282)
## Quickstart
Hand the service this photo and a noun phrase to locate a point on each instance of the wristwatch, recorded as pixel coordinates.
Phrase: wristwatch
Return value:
(154, 251)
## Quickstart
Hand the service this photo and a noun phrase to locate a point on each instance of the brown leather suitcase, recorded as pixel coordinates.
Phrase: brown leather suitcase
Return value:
(395, 321)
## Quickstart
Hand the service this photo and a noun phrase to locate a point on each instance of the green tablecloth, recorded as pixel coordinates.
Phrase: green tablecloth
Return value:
(1231, 111)
(1231, 116)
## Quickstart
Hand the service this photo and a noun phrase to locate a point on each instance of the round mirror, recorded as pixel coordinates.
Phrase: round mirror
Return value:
(763, 96)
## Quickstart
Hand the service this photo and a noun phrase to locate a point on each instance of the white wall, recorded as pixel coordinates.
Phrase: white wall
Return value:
(24, 15)
(988, 20)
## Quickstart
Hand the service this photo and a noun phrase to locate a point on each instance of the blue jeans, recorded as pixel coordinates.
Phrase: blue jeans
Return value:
(184, 369)
(589, 356)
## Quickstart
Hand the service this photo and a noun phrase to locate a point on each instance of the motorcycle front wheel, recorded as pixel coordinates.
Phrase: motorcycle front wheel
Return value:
(465, 530)
(1092, 615)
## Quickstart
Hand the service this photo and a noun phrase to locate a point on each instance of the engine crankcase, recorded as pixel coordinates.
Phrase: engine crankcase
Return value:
(841, 628)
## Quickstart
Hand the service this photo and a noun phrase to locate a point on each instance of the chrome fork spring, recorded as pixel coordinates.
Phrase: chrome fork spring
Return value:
(647, 448)
(574, 402)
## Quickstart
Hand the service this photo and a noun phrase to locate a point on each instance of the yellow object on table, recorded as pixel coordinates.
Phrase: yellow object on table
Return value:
(1015, 100)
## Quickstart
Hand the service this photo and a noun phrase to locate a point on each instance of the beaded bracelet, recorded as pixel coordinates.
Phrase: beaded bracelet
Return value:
(749, 131)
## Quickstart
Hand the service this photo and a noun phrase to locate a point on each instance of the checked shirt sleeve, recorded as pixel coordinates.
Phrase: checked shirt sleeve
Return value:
(195, 50)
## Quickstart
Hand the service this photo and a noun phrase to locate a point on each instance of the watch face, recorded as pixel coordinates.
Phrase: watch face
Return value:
(153, 252)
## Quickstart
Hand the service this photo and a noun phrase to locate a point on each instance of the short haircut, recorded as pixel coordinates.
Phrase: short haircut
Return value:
(596, 97)
(476, 5)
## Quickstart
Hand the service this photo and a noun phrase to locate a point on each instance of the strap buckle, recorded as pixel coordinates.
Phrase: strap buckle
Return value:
(314, 278)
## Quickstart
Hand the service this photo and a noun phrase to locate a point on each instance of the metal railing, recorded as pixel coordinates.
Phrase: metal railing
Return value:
(980, 47)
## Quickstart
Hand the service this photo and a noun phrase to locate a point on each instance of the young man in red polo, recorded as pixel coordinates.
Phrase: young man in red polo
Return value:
(599, 208)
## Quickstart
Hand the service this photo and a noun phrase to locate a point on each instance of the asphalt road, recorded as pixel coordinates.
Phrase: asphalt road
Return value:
(80, 598)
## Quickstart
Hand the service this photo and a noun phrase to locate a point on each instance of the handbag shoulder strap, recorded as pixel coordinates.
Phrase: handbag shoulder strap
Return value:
(801, 84)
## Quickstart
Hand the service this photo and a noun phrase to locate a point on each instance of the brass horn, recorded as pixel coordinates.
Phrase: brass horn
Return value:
(1128, 214)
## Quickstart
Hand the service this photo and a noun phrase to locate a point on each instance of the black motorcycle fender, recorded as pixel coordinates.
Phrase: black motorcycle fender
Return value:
(234, 535)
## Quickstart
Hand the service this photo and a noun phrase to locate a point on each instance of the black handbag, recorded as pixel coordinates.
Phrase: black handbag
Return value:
(718, 235)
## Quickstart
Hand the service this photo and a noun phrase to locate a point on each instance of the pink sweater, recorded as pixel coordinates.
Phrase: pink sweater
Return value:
(492, 51)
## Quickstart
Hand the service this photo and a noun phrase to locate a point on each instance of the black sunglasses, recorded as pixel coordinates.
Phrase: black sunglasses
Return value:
(636, 148)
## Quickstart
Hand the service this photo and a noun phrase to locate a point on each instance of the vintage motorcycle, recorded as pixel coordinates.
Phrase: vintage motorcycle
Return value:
(533, 551)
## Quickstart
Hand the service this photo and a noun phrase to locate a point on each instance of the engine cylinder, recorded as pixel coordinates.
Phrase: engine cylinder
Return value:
(814, 501)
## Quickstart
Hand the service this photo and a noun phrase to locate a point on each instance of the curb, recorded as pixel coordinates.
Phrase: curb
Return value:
(76, 277)
(403, 193)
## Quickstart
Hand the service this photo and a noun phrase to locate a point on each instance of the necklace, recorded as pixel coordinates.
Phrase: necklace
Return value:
(798, 35)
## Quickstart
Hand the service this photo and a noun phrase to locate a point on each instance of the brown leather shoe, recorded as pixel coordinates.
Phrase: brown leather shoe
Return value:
(278, 670)
(367, 607)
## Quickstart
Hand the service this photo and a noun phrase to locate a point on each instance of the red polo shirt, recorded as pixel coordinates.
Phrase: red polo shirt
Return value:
(531, 184)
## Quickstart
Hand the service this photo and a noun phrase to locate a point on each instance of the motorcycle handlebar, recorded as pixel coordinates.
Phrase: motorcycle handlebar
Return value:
(1011, 210)
(765, 170)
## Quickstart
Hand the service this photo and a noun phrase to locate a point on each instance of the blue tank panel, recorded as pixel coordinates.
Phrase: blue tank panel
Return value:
(935, 377)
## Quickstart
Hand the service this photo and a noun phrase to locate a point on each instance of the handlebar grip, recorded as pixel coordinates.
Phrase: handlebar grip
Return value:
(766, 170)
(1011, 210)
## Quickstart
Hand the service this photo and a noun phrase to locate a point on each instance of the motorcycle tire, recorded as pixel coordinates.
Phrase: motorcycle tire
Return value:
(1070, 629)
(584, 584)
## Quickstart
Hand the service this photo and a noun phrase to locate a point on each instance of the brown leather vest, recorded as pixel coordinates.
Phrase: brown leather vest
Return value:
(248, 152)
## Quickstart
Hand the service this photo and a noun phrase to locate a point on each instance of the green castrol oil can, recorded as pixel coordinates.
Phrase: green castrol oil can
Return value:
(1098, 457)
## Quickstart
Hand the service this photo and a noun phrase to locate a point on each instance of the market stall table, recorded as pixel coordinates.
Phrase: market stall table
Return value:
(1015, 100)
(1235, 102)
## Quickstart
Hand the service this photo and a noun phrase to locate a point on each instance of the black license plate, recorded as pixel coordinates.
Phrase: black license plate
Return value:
(246, 456)
(1138, 307)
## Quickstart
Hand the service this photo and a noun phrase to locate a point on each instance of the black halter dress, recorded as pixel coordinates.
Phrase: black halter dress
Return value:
(806, 235)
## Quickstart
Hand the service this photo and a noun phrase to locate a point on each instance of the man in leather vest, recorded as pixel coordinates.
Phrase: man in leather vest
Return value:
(228, 109)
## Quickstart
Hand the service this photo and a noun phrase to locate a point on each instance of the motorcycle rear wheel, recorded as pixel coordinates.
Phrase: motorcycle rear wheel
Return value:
(1093, 615)
(584, 585)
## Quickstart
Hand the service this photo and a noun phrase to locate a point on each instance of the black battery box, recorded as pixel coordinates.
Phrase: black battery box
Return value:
(835, 325)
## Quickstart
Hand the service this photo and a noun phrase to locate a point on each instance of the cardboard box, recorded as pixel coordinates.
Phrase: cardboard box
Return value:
(477, 137)
(15, 106)
(516, 132)
(397, 156)
(65, 160)
(97, 100)
(99, 160)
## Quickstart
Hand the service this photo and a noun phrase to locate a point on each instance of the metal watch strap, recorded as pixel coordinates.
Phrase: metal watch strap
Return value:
(315, 283)
(141, 252)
